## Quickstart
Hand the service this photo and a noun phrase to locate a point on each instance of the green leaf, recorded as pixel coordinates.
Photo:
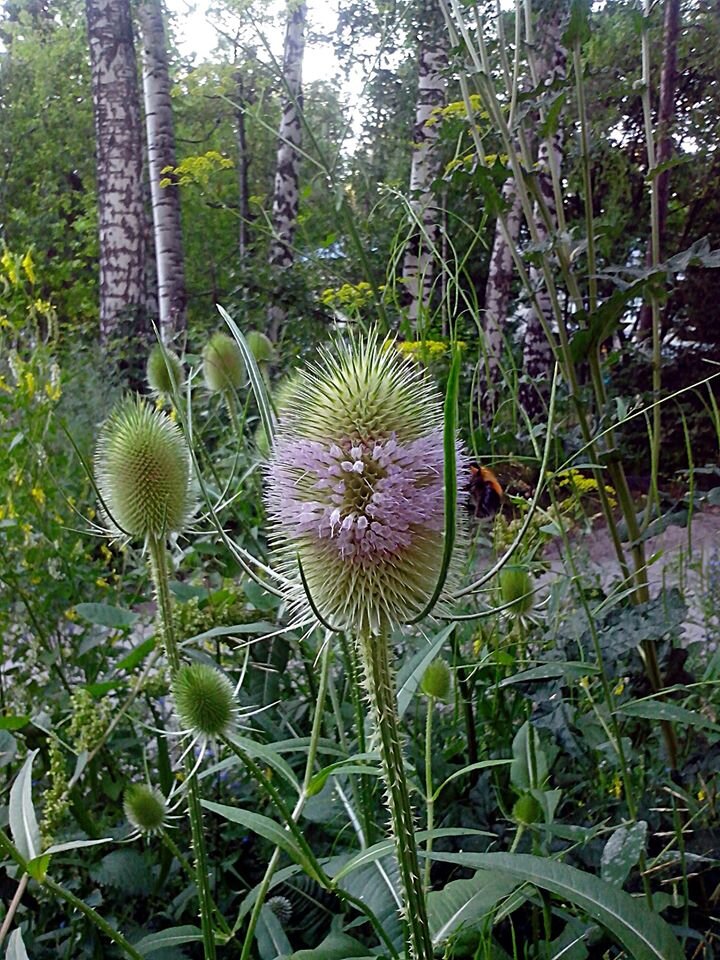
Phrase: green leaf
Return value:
(104, 615)
(23, 822)
(662, 710)
(548, 671)
(266, 828)
(622, 852)
(257, 381)
(450, 479)
(136, 655)
(16, 946)
(172, 937)
(336, 946)
(529, 766)
(258, 751)
(641, 932)
(9, 722)
(462, 902)
(413, 670)
(351, 765)
(270, 936)
(480, 765)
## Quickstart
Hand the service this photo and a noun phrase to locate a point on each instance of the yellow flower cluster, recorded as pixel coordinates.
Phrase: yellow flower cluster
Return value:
(349, 296)
(426, 351)
(195, 170)
(12, 265)
(581, 486)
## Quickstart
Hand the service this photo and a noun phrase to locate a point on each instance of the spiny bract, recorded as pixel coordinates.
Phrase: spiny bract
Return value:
(145, 808)
(355, 487)
(142, 468)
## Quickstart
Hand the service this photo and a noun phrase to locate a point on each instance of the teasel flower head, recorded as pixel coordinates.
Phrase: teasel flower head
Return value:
(355, 487)
(223, 364)
(204, 700)
(142, 470)
(164, 373)
(145, 808)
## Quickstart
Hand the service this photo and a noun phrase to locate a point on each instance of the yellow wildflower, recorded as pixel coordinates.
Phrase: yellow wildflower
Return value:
(38, 495)
(8, 265)
(29, 379)
(4, 385)
(616, 788)
(102, 582)
(70, 614)
(29, 267)
(106, 552)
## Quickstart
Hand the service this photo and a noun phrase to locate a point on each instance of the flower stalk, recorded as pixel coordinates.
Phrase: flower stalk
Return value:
(380, 684)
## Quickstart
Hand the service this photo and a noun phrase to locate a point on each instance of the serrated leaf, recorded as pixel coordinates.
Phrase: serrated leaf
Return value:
(105, 615)
(641, 932)
(622, 851)
(124, 870)
(23, 822)
(172, 937)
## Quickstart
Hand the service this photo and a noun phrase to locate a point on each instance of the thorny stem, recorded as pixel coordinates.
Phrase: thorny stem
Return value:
(159, 572)
(381, 689)
(429, 796)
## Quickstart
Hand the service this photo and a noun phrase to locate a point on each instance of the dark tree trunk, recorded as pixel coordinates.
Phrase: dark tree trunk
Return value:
(286, 192)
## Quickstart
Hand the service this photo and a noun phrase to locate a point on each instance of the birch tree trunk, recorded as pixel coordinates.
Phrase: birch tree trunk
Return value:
(666, 116)
(172, 295)
(119, 168)
(497, 301)
(286, 193)
(537, 352)
(419, 261)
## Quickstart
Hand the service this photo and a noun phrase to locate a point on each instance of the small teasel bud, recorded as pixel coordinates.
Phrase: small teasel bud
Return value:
(516, 588)
(144, 807)
(164, 372)
(261, 346)
(436, 680)
(204, 700)
(527, 810)
(223, 364)
(281, 907)
(142, 468)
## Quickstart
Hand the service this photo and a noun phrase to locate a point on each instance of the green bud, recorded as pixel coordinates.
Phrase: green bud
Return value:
(261, 346)
(164, 371)
(527, 810)
(436, 680)
(204, 700)
(516, 588)
(144, 808)
(142, 467)
(223, 364)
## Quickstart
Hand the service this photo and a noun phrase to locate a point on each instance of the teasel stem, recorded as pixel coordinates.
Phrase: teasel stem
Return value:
(375, 654)
(159, 573)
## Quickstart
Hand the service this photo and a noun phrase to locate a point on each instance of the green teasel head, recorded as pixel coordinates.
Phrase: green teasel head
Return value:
(261, 346)
(145, 808)
(204, 700)
(516, 589)
(223, 364)
(142, 470)
(436, 680)
(164, 372)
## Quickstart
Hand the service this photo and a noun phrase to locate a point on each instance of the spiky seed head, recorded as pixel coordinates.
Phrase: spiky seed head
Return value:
(261, 346)
(145, 808)
(282, 908)
(164, 371)
(436, 680)
(355, 487)
(204, 700)
(223, 364)
(516, 588)
(142, 469)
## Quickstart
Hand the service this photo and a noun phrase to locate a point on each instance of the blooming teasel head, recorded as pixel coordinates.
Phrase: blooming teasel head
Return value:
(356, 490)
(142, 469)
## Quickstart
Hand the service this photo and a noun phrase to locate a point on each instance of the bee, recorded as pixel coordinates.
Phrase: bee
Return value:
(486, 494)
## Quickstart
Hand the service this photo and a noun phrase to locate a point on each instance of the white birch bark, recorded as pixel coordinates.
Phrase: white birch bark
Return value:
(119, 167)
(286, 191)
(419, 261)
(172, 296)
(537, 352)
